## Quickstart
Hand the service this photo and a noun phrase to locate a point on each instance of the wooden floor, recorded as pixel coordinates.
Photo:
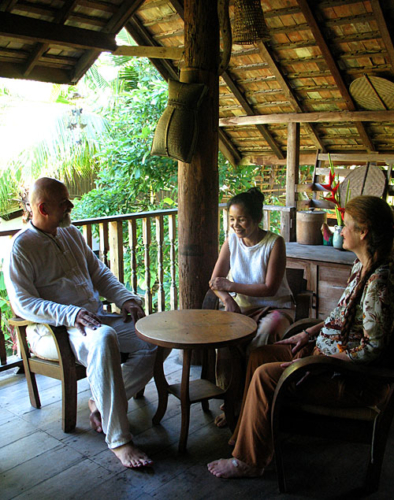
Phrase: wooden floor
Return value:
(39, 461)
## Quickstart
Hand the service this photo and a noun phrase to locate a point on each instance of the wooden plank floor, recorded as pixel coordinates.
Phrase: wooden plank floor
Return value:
(39, 461)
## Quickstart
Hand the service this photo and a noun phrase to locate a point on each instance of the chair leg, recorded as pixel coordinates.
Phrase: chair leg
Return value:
(378, 447)
(30, 376)
(276, 440)
(69, 404)
(32, 387)
(140, 394)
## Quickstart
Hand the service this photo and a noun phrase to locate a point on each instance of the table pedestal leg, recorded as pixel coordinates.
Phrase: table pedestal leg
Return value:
(185, 400)
(230, 391)
(208, 371)
(161, 384)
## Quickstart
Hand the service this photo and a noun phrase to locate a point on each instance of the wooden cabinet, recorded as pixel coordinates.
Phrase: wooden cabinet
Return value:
(326, 269)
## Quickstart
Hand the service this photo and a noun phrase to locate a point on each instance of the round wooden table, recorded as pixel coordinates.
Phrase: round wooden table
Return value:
(190, 329)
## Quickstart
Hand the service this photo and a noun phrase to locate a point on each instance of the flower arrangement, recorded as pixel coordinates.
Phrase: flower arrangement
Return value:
(332, 186)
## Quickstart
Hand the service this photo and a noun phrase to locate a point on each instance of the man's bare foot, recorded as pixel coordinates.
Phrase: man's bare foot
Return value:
(95, 417)
(232, 468)
(131, 456)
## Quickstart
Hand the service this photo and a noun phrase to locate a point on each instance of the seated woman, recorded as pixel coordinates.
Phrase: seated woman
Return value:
(358, 331)
(256, 260)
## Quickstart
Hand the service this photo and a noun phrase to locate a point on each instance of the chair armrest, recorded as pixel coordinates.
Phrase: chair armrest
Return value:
(211, 301)
(299, 326)
(60, 337)
(320, 364)
(19, 322)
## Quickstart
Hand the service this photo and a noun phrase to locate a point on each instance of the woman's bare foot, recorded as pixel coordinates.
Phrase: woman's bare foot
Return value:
(131, 456)
(95, 417)
(221, 421)
(232, 467)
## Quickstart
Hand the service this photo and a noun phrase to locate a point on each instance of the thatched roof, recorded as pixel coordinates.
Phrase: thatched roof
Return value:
(316, 50)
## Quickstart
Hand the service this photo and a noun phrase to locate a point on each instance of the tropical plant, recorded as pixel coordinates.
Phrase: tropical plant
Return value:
(6, 314)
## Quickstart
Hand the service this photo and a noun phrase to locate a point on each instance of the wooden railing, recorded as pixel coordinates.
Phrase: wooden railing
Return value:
(148, 241)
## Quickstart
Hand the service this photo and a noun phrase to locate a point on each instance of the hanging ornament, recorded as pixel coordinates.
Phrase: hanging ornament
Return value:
(249, 24)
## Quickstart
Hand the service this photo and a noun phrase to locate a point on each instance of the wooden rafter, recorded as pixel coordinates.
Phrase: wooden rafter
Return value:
(250, 112)
(178, 6)
(309, 159)
(60, 18)
(275, 70)
(27, 28)
(316, 117)
(39, 73)
(384, 29)
(7, 5)
(117, 21)
(142, 37)
(332, 65)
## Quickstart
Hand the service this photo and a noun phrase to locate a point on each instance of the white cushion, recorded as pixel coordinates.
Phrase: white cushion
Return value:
(42, 344)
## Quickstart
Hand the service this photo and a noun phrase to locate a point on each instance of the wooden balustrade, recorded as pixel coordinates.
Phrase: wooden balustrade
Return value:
(143, 247)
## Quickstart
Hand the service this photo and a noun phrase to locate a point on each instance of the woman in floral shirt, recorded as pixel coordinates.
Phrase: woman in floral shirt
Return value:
(358, 330)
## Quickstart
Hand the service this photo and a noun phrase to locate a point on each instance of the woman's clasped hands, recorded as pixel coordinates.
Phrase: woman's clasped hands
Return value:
(221, 284)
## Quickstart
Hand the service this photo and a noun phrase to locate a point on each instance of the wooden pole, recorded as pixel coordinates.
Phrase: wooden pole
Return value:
(293, 159)
(198, 183)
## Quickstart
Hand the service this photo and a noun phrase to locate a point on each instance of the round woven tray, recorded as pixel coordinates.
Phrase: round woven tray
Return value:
(368, 179)
(373, 93)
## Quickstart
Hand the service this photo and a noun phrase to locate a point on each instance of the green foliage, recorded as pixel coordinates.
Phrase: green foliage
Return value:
(129, 177)
(6, 314)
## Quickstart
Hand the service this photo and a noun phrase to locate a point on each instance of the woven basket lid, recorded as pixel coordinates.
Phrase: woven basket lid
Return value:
(368, 179)
(373, 93)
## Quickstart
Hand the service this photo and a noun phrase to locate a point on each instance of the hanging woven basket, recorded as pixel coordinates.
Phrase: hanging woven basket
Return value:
(249, 24)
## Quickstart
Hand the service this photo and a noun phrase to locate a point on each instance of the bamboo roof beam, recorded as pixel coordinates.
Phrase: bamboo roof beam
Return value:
(151, 52)
(315, 117)
(332, 65)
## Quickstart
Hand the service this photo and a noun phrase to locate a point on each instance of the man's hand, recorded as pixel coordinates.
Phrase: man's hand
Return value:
(86, 319)
(131, 307)
(221, 284)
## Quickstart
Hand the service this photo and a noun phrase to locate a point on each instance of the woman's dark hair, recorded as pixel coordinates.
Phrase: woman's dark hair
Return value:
(376, 216)
(252, 200)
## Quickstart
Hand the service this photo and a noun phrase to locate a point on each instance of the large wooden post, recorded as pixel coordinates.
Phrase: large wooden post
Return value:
(292, 176)
(198, 183)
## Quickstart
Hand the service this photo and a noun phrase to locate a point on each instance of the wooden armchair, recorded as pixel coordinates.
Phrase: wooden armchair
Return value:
(66, 369)
(369, 425)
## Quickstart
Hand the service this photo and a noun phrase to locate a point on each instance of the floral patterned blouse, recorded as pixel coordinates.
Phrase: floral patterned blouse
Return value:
(374, 319)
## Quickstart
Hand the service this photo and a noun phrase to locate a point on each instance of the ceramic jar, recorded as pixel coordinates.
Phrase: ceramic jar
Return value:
(337, 240)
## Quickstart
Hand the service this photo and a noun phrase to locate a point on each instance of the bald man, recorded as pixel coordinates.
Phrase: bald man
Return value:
(53, 277)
